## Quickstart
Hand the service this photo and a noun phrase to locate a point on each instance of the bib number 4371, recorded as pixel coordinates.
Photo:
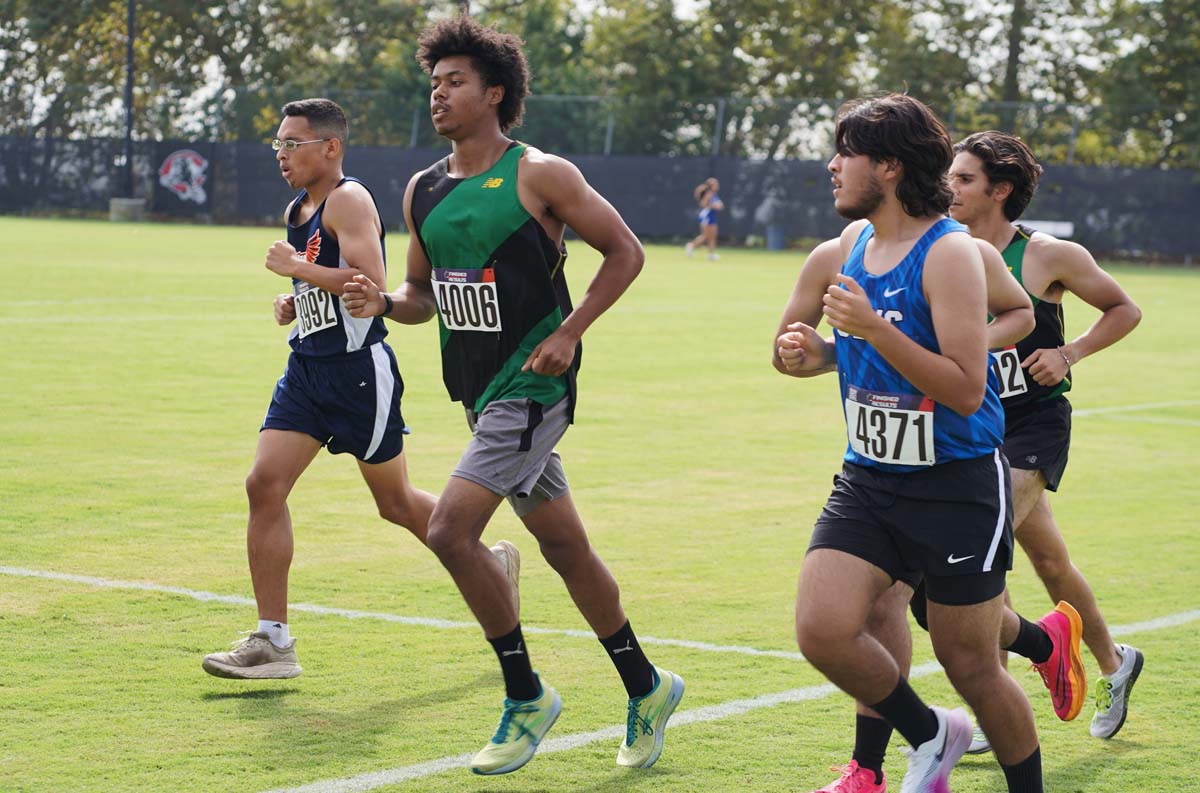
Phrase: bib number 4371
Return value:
(890, 428)
(468, 299)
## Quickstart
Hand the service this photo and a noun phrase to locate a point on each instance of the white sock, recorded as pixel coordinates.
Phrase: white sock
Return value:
(277, 632)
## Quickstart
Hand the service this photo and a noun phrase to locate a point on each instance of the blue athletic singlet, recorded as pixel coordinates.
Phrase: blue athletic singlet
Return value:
(708, 215)
(890, 425)
(323, 325)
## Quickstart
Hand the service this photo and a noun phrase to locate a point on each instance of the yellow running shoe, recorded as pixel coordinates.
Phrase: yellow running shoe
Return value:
(647, 719)
(522, 727)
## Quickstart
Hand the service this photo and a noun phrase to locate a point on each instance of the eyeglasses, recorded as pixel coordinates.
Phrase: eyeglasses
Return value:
(291, 145)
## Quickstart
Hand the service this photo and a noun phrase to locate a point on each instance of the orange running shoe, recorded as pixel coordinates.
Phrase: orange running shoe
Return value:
(1063, 672)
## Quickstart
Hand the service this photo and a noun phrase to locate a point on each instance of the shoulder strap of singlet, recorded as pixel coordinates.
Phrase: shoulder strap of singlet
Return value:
(860, 244)
(1014, 255)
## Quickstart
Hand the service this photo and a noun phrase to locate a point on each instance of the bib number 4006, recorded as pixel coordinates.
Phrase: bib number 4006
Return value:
(466, 303)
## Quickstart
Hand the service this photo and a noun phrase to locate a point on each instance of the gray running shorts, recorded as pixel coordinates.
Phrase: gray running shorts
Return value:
(512, 451)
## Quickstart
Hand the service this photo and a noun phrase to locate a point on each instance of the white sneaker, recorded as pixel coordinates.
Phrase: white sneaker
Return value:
(979, 742)
(689, 249)
(712, 257)
(930, 764)
(510, 558)
(1112, 693)
(254, 658)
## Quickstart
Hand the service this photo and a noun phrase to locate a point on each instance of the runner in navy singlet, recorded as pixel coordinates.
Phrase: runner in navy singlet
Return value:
(341, 388)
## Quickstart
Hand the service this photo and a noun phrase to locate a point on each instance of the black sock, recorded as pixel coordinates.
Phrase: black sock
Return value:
(908, 714)
(1032, 642)
(519, 683)
(1025, 776)
(871, 736)
(636, 672)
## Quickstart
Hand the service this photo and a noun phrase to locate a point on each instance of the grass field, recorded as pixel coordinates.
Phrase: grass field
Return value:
(137, 363)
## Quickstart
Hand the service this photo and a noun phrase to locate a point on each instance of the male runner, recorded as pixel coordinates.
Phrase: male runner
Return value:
(994, 176)
(924, 486)
(341, 388)
(486, 256)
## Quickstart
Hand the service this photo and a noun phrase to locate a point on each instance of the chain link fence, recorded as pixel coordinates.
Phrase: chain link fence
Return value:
(205, 156)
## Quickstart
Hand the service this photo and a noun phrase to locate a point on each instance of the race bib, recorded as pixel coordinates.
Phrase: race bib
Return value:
(468, 299)
(1007, 366)
(890, 428)
(316, 309)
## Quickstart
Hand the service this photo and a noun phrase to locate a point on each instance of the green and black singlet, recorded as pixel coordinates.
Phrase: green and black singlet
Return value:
(498, 280)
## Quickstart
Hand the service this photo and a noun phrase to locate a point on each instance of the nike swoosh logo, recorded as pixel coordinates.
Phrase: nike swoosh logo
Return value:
(942, 750)
(952, 559)
(893, 292)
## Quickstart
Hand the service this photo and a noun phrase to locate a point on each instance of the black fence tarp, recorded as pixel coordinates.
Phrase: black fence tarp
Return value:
(1114, 211)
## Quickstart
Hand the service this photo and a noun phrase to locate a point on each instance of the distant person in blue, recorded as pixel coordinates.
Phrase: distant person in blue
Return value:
(341, 388)
(710, 204)
(924, 489)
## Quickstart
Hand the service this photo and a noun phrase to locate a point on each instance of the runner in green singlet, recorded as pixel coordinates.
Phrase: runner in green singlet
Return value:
(486, 257)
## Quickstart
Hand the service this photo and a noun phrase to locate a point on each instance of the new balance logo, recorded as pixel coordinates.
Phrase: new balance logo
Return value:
(952, 559)
(893, 292)
(493, 183)
(518, 651)
(624, 649)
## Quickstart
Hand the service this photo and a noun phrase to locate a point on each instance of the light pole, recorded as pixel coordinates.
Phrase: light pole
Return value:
(129, 20)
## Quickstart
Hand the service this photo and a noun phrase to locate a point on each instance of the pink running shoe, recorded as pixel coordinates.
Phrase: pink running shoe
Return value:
(855, 780)
(1063, 671)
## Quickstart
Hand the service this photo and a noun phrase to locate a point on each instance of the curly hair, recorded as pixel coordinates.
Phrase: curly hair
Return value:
(325, 116)
(1005, 158)
(497, 57)
(899, 128)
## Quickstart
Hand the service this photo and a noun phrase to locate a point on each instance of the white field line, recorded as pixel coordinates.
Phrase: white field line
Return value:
(127, 319)
(1134, 408)
(737, 707)
(1152, 420)
(427, 622)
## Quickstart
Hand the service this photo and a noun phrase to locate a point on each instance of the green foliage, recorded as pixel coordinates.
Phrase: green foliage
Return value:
(1090, 81)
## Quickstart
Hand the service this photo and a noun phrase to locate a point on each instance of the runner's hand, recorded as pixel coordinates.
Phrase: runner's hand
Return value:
(848, 309)
(285, 309)
(801, 349)
(554, 355)
(1046, 366)
(362, 297)
(282, 259)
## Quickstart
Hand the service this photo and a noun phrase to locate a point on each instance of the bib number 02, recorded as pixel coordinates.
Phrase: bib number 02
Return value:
(468, 299)
(1007, 366)
(316, 309)
(890, 428)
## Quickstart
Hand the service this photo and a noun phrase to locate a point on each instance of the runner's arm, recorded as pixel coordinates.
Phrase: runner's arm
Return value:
(1073, 267)
(1008, 303)
(413, 303)
(796, 351)
(350, 216)
(560, 186)
(956, 291)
